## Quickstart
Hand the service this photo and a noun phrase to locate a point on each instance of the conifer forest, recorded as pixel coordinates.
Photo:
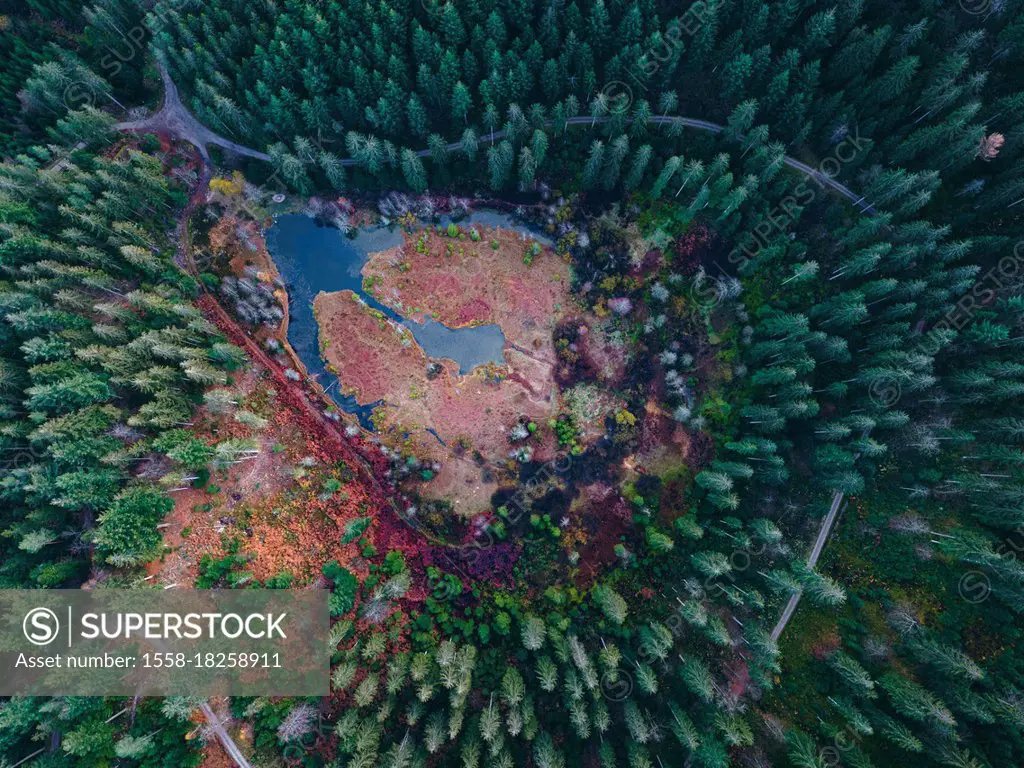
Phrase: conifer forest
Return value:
(641, 381)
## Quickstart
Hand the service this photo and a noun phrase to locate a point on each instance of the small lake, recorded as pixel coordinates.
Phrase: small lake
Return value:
(313, 258)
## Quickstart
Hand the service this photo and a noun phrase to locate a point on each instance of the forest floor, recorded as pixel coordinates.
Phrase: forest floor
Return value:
(271, 502)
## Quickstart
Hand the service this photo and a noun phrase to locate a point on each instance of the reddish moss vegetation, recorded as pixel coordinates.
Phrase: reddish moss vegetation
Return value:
(691, 248)
(443, 416)
(290, 503)
(461, 281)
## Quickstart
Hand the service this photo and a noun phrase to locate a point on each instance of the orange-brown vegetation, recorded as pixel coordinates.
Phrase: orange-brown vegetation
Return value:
(272, 502)
(281, 505)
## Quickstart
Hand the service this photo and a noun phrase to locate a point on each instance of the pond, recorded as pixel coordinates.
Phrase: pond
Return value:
(313, 258)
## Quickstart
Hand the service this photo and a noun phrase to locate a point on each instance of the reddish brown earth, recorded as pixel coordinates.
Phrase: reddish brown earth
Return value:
(605, 517)
(213, 756)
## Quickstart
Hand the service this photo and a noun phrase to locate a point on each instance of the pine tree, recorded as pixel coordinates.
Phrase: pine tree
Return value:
(533, 633)
(594, 164)
(638, 167)
(611, 603)
(413, 171)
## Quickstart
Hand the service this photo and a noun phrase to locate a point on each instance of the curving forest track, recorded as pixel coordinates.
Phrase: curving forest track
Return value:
(176, 121)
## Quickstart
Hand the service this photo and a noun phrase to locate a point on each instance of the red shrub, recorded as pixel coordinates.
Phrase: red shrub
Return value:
(690, 248)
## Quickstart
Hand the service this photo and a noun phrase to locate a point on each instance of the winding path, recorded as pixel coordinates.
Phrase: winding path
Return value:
(689, 122)
(224, 737)
(812, 560)
(175, 120)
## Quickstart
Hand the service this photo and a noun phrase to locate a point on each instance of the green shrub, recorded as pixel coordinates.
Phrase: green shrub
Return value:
(394, 562)
(346, 586)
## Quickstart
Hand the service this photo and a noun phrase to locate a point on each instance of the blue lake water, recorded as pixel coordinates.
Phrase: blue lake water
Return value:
(314, 258)
(489, 218)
